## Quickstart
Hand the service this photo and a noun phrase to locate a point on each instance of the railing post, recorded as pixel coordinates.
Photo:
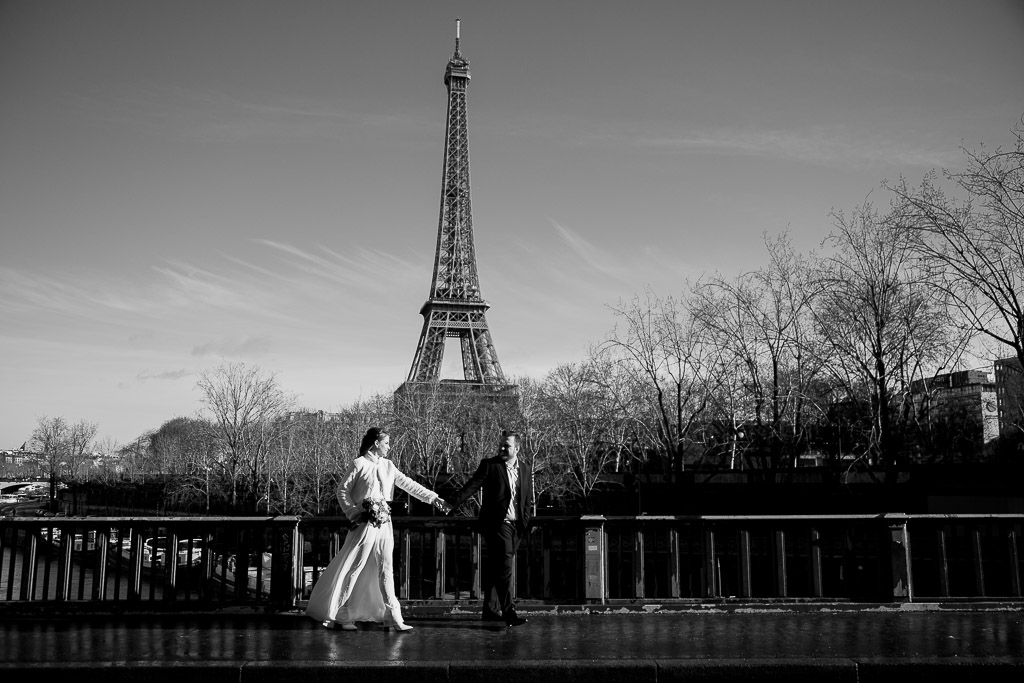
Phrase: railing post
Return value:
(712, 585)
(899, 550)
(67, 541)
(9, 572)
(639, 564)
(171, 565)
(135, 555)
(781, 578)
(746, 580)
(1014, 563)
(979, 565)
(594, 553)
(298, 562)
(546, 555)
(940, 542)
(514, 582)
(817, 576)
(99, 581)
(440, 546)
(28, 573)
(286, 554)
(405, 575)
(675, 564)
(478, 564)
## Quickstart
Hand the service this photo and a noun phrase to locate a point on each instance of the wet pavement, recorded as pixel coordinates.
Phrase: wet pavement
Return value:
(884, 643)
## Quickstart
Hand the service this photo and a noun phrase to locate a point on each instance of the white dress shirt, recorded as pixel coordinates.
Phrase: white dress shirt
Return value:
(512, 468)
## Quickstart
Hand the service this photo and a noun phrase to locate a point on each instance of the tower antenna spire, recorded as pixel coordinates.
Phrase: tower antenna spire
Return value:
(458, 30)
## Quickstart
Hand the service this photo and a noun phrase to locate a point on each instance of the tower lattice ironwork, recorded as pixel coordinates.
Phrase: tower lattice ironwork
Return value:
(455, 307)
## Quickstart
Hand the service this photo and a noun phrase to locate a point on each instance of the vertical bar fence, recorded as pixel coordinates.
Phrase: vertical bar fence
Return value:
(271, 563)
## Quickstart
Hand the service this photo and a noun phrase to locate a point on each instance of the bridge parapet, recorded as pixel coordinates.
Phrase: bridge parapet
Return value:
(270, 563)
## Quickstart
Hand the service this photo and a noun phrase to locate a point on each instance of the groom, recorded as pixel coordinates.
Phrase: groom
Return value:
(504, 515)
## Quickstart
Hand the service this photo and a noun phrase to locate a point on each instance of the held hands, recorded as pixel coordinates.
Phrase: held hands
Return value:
(443, 505)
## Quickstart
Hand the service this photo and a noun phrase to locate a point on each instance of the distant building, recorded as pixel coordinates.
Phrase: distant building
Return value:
(960, 411)
(308, 416)
(1010, 394)
(20, 463)
(19, 457)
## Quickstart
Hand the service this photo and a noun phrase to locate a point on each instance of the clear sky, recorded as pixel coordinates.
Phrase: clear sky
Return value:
(188, 182)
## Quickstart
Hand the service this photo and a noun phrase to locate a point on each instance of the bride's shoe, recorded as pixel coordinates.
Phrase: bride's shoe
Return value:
(342, 621)
(393, 619)
(343, 625)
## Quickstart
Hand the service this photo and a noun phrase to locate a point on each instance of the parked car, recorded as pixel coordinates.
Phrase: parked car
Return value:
(154, 551)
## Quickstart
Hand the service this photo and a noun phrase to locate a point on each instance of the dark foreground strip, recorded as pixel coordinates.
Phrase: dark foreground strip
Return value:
(840, 670)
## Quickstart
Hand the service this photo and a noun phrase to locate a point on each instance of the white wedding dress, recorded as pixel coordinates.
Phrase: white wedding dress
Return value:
(358, 583)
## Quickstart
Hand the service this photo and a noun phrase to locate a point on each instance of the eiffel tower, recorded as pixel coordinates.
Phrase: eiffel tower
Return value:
(454, 307)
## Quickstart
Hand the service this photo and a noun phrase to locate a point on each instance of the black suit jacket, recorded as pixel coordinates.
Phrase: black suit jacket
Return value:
(492, 476)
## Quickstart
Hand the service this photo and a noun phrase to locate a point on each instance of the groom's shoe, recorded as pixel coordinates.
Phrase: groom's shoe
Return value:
(491, 616)
(515, 620)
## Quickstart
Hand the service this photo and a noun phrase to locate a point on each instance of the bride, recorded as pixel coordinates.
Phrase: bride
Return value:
(358, 584)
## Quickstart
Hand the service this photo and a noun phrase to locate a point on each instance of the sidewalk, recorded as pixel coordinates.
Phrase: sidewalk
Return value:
(915, 643)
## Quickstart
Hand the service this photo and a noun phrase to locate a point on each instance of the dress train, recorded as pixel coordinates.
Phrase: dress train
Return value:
(365, 601)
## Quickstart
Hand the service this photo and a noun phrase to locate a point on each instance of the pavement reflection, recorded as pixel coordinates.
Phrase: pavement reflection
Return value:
(893, 634)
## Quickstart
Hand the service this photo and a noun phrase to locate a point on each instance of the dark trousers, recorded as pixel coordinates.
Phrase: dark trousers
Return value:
(496, 580)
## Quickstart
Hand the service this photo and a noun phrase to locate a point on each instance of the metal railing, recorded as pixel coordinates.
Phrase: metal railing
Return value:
(209, 563)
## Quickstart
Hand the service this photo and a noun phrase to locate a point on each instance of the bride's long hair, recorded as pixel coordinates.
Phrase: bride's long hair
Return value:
(370, 438)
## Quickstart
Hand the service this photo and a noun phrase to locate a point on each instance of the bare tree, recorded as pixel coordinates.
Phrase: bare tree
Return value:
(313, 451)
(245, 404)
(663, 345)
(586, 428)
(428, 438)
(132, 458)
(109, 465)
(63, 447)
(443, 429)
(761, 322)
(975, 246)
(190, 461)
(881, 324)
(535, 431)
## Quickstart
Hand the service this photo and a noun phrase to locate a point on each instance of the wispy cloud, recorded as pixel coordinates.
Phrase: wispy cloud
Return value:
(819, 145)
(256, 286)
(574, 278)
(234, 347)
(26, 290)
(187, 284)
(598, 260)
(362, 268)
(169, 375)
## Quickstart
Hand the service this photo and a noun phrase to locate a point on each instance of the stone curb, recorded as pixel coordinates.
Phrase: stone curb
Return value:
(789, 670)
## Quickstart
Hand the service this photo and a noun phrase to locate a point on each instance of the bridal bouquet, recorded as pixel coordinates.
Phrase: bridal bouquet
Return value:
(377, 511)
